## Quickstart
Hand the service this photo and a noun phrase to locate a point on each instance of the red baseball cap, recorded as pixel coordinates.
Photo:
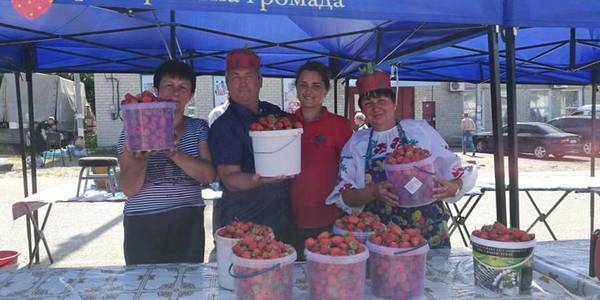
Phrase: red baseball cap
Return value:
(242, 58)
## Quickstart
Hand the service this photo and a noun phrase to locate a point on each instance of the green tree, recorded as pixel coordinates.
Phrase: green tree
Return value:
(88, 81)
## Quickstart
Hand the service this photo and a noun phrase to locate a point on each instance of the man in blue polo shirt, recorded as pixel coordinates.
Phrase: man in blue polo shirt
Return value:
(246, 195)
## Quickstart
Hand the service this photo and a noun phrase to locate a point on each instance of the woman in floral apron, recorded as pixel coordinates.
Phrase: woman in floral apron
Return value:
(362, 183)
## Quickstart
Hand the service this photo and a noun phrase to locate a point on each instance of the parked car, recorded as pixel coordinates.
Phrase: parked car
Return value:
(582, 126)
(538, 138)
(585, 110)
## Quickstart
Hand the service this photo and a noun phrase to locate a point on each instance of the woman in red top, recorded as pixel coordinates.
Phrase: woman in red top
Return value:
(324, 136)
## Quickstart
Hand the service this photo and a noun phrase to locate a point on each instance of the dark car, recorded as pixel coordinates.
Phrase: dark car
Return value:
(540, 139)
(582, 126)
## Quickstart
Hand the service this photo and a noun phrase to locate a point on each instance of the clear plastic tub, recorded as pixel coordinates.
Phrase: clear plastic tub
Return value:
(149, 126)
(336, 277)
(412, 182)
(264, 279)
(397, 273)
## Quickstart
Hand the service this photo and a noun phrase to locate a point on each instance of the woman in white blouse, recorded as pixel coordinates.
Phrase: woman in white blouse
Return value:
(362, 183)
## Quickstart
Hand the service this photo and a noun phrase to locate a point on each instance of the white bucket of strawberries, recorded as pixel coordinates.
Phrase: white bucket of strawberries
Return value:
(276, 145)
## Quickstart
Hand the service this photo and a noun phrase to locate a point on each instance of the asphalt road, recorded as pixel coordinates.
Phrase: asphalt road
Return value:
(91, 234)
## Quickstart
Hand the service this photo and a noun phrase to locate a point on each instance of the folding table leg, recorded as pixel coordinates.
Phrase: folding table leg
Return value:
(39, 235)
(454, 224)
(543, 216)
(29, 237)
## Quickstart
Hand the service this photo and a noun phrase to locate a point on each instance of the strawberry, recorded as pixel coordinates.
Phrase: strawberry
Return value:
(499, 232)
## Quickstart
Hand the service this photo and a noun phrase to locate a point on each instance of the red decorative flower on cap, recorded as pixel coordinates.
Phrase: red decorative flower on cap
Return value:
(242, 58)
(372, 80)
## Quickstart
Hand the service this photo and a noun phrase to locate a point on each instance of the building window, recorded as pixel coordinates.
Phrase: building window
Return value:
(146, 82)
(539, 105)
(569, 101)
(470, 104)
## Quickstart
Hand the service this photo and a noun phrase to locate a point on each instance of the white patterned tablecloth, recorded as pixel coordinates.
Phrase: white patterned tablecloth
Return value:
(449, 276)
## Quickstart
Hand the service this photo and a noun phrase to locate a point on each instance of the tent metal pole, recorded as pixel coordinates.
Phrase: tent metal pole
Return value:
(593, 152)
(29, 63)
(335, 96)
(497, 123)
(21, 133)
(346, 96)
(173, 41)
(511, 111)
(572, 47)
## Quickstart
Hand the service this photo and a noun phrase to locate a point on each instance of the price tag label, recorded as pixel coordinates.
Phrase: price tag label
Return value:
(413, 185)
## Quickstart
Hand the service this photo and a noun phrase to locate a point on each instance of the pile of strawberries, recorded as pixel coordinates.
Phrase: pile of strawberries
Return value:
(261, 247)
(238, 230)
(395, 237)
(363, 222)
(500, 233)
(407, 153)
(144, 97)
(271, 122)
(336, 280)
(337, 245)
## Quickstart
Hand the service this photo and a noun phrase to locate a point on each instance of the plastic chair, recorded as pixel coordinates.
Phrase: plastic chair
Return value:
(53, 139)
(88, 163)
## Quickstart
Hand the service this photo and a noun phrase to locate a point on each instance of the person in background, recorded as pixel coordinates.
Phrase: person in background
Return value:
(40, 143)
(246, 195)
(467, 126)
(164, 212)
(360, 121)
(322, 140)
(362, 183)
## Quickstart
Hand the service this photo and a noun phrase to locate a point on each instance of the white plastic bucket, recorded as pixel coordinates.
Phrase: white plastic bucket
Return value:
(336, 277)
(277, 152)
(267, 279)
(398, 273)
(505, 267)
(224, 259)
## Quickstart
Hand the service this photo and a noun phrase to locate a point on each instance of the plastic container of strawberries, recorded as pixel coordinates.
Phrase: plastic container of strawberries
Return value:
(412, 182)
(267, 279)
(149, 126)
(336, 277)
(397, 273)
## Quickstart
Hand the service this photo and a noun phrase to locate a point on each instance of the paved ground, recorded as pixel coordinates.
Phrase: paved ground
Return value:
(90, 234)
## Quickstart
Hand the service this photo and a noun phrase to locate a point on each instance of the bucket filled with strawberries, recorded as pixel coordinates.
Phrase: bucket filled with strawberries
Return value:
(148, 122)
(503, 258)
(360, 225)
(276, 145)
(397, 262)
(336, 266)
(226, 237)
(263, 268)
(410, 170)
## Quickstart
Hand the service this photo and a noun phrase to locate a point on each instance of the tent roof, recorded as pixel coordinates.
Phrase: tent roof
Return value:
(76, 37)
(543, 55)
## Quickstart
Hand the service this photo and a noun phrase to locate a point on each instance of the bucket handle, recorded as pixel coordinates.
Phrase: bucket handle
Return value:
(410, 250)
(236, 276)
(280, 148)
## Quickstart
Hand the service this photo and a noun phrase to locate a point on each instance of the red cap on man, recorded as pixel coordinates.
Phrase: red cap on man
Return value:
(242, 58)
